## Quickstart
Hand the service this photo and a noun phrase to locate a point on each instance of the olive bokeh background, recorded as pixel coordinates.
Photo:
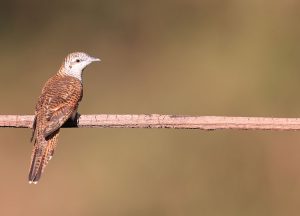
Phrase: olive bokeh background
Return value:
(209, 57)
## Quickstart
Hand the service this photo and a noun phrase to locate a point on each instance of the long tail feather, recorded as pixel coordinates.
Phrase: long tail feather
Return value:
(41, 155)
(37, 162)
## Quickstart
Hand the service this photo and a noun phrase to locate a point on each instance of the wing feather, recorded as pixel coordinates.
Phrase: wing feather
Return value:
(58, 118)
(59, 101)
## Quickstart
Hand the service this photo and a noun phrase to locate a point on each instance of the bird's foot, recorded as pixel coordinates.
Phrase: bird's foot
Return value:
(74, 120)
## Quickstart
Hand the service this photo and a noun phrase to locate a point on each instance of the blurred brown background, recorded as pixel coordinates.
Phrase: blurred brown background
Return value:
(210, 57)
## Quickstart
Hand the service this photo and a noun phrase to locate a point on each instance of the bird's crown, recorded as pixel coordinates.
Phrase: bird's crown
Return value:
(78, 57)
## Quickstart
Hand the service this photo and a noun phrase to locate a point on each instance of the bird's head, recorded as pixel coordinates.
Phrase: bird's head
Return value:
(76, 62)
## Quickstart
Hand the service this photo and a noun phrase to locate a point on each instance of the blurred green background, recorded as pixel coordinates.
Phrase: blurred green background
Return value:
(210, 57)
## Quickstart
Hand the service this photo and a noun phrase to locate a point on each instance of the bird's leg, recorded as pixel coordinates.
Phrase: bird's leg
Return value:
(75, 117)
(73, 120)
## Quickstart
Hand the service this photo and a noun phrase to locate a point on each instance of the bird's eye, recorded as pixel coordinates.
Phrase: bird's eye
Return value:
(77, 60)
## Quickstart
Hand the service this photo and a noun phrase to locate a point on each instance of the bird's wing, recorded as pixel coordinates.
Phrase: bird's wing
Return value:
(61, 109)
(58, 117)
(60, 99)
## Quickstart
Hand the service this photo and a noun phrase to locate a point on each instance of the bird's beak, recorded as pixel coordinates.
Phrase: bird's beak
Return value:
(92, 59)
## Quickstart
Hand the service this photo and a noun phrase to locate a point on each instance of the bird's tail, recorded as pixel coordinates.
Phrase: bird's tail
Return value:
(41, 154)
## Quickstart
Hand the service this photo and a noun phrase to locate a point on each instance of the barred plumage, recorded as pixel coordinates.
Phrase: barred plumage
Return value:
(58, 102)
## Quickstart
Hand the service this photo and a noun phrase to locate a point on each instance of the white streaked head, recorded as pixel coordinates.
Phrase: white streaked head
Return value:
(75, 63)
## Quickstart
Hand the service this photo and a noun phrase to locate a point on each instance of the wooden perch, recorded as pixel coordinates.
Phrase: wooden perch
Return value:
(164, 121)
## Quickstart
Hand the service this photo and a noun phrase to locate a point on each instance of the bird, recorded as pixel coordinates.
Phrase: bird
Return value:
(57, 103)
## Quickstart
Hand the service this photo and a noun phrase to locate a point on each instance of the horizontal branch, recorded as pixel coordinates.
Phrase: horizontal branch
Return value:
(164, 121)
